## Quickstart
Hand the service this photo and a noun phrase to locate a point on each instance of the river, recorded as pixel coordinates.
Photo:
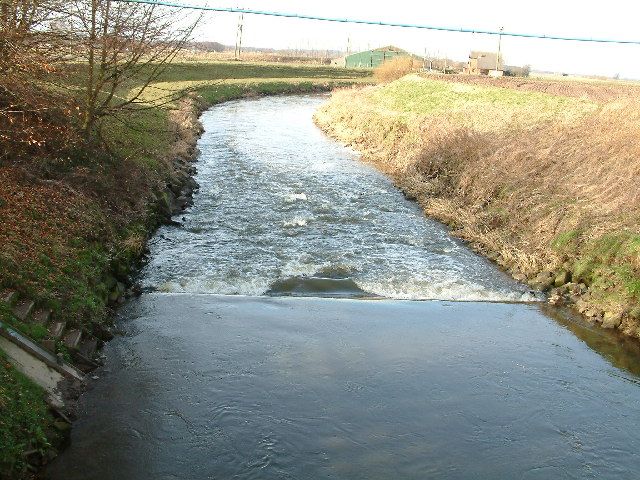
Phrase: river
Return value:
(304, 320)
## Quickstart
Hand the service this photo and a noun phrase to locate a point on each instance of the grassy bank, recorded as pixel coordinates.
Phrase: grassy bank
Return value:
(70, 224)
(537, 175)
(25, 421)
(74, 221)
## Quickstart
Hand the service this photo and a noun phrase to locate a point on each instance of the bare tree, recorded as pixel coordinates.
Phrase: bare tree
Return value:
(126, 48)
(29, 51)
(22, 38)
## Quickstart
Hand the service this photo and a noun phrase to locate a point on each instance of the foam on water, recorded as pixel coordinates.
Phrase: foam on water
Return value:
(230, 286)
(445, 290)
(293, 197)
(296, 222)
(284, 210)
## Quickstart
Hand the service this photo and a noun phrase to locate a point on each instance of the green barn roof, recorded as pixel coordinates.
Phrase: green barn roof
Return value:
(374, 58)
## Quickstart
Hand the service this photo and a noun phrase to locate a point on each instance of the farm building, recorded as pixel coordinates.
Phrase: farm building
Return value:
(371, 58)
(484, 63)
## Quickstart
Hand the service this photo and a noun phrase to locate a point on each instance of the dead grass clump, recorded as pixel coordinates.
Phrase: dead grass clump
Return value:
(442, 158)
(393, 69)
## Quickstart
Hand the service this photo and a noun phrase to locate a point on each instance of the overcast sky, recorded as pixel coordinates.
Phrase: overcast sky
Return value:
(618, 19)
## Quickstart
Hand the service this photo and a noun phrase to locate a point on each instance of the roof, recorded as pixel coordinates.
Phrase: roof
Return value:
(390, 48)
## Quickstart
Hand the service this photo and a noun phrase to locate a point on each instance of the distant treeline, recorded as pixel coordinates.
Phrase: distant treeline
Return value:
(219, 47)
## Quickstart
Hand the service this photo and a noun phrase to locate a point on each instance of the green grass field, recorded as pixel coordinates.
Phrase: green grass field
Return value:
(181, 71)
(144, 135)
(414, 95)
(24, 420)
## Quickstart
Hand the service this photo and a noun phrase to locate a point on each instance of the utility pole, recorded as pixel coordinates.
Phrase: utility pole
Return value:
(238, 49)
(499, 46)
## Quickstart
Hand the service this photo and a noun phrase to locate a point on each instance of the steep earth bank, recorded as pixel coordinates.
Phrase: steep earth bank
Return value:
(538, 176)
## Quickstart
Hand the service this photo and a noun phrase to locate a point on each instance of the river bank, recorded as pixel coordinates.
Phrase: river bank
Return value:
(75, 229)
(535, 175)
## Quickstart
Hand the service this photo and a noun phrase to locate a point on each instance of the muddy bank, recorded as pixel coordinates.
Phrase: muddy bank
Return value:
(538, 183)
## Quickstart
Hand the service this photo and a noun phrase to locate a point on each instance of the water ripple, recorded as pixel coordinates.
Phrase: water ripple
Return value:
(280, 202)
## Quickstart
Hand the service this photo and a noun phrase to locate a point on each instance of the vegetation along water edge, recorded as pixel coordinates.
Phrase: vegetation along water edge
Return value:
(538, 175)
(76, 216)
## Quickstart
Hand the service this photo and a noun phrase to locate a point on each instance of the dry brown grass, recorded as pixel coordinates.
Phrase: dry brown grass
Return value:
(537, 182)
(394, 69)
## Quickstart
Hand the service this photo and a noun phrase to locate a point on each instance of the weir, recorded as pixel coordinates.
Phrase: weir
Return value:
(285, 210)
(231, 365)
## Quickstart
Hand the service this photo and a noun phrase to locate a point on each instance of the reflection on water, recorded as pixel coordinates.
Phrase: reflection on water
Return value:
(622, 351)
(215, 387)
(207, 387)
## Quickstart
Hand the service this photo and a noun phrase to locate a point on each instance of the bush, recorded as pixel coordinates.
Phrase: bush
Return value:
(393, 69)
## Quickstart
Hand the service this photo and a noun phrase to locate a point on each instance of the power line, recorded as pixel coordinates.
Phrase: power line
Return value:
(164, 3)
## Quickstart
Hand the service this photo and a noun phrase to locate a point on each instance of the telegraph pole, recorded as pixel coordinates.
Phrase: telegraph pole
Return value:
(499, 46)
(238, 49)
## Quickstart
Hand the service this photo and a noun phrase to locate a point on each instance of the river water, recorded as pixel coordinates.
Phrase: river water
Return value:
(223, 370)
(286, 211)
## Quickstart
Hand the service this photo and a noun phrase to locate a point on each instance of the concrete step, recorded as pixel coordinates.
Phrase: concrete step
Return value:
(56, 329)
(49, 345)
(9, 296)
(41, 316)
(22, 309)
(39, 365)
(72, 338)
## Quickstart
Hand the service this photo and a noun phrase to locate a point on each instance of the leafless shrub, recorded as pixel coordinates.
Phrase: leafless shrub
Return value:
(394, 69)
